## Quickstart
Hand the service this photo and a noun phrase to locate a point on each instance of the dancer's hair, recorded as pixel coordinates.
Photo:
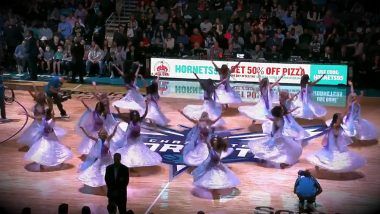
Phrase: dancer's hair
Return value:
(100, 108)
(209, 87)
(304, 80)
(129, 78)
(40, 98)
(134, 115)
(334, 119)
(219, 143)
(277, 111)
(153, 88)
(48, 113)
(263, 84)
(224, 70)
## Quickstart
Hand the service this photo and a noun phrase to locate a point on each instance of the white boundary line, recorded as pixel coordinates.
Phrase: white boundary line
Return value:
(76, 87)
(156, 199)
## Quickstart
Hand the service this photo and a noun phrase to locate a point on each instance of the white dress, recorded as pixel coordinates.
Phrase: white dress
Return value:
(225, 94)
(109, 124)
(278, 148)
(48, 151)
(308, 109)
(92, 122)
(213, 174)
(291, 127)
(213, 109)
(134, 152)
(335, 156)
(133, 100)
(262, 109)
(154, 112)
(31, 134)
(356, 126)
(195, 151)
(93, 169)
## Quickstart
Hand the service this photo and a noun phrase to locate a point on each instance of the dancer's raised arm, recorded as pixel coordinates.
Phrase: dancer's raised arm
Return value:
(146, 110)
(87, 134)
(214, 121)
(276, 83)
(216, 67)
(291, 98)
(190, 119)
(291, 111)
(235, 66)
(351, 87)
(85, 105)
(121, 73)
(316, 81)
(113, 132)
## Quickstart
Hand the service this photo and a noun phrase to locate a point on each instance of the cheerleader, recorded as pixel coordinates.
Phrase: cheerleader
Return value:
(155, 114)
(134, 152)
(133, 100)
(110, 122)
(47, 150)
(91, 120)
(213, 108)
(212, 174)
(225, 94)
(353, 124)
(31, 134)
(335, 156)
(93, 169)
(278, 149)
(195, 151)
(308, 109)
(261, 110)
(291, 127)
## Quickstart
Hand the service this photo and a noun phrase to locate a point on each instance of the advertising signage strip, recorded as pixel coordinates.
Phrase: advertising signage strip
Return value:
(249, 71)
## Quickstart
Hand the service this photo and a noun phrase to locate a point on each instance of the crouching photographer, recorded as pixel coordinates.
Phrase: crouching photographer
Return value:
(307, 188)
(53, 91)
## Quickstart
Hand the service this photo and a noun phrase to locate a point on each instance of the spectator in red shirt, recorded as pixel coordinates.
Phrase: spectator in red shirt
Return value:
(196, 37)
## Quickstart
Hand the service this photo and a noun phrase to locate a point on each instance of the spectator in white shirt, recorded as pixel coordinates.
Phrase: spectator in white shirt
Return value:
(46, 31)
(205, 26)
(95, 57)
(169, 42)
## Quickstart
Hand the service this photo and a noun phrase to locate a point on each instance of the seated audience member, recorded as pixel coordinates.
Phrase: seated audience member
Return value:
(95, 57)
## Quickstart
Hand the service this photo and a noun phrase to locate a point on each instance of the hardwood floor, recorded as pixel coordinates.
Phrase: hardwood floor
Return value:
(21, 184)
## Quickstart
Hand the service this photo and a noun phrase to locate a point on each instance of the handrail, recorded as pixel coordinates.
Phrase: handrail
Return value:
(109, 17)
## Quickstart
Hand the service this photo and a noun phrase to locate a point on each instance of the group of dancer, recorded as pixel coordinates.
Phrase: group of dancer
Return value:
(103, 134)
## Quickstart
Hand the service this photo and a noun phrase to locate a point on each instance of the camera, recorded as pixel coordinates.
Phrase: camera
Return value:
(63, 96)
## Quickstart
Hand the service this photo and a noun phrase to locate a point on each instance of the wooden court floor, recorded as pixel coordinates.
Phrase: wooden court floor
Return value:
(21, 184)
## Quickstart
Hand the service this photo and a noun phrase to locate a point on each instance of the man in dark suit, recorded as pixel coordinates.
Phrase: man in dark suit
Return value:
(77, 53)
(31, 50)
(117, 179)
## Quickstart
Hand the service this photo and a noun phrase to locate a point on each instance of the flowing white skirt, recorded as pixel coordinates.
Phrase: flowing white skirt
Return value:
(278, 149)
(135, 153)
(256, 112)
(337, 161)
(155, 114)
(48, 151)
(195, 156)
(291, 128)
(361, 129)
(109, 124)
(213, 109)
(133, 100)
(308, 110)
(93, 176)
(215, 177)
(30, 135)
(227, 97)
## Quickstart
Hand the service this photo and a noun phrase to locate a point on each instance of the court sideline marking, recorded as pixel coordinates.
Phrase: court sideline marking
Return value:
(156, 199)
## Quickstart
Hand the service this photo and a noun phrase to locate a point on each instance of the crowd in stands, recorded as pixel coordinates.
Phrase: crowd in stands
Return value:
(323, 31)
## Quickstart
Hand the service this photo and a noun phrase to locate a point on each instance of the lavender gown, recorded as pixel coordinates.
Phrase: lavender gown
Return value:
(278, 148)
(213, 174)
(134, 152)
(308, 109)
(213, 109)
(291, 127)
(225, 94)
(48, 151)
(335, 156)
(92, 122)
(357, 127)
(262, 109)
(196, 151)
(31, 135)
(154, 112)
(93, 169)
(133, 100)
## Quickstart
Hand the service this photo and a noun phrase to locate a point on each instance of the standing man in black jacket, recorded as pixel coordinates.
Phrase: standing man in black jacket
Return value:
(31, 50)
(77, 54)
(117, 179)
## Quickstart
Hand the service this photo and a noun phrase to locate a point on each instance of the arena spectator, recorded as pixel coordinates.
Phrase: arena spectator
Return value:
(95, 57)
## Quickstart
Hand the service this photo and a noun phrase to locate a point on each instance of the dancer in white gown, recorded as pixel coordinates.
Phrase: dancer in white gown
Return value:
(31, 135)
(261, 110)
(133, 100)
(308, 109)
(291, 127)
(277, 149)
(134, 152)
(92, 121)
(93, 169)
(155, 114)
(212, 173)
(196, 151)
(47, 150)
(225, 94)
(353, 123)
(335, 155)
(213, 108)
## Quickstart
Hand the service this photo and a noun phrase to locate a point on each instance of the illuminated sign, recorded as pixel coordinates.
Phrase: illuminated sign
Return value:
(249, 71)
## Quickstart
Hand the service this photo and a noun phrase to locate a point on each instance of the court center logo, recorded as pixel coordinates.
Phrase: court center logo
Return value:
(162, 68)
(169, 143)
